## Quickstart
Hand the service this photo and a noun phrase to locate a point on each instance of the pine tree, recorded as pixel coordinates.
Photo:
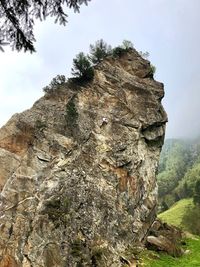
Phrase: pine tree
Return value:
(126, 44)
(17, 19)
(121, 50)
(99, 51)
(196, 197)
(82, 68)
(187, 192)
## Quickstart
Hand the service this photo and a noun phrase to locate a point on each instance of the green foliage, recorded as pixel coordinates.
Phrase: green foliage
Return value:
(76, 248)
(174, 162)
(190, 178)
(163, 206)
(57, 210)
(179, 170)
(99, 51)
(97, 254)
(118, 51)
(40, 125)
(185, 215)
(192, 259)
(71, 112)
(153, 69)
(55, 84)
(196, 197)
(175, 214)
(126, 45)
(18, 19)
(82, 69)
(185, 191)
(191, 219)
(121, 50)
(80, 252)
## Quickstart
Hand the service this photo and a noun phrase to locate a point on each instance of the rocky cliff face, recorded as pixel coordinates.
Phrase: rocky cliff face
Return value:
(77, 170)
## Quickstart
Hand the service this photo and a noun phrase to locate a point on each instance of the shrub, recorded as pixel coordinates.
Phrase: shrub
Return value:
(55, 83)
(118, 51)
(82, 69)
(76, 248)
(126, 45)
(40, 125)
(99, 51)
(71, 112)
(153, 70)
(196, 197)
(144, 55)
(191, 219)
(57, 210)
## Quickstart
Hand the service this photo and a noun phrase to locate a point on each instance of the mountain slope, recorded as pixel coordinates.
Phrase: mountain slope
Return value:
(179, 169)
(190, 259)
(175, 214)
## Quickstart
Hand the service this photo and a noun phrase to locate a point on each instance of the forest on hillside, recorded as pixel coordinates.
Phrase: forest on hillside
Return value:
(179, 183)
(179, 170)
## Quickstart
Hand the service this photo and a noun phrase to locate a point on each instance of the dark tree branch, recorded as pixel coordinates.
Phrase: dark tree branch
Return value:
(17, 19)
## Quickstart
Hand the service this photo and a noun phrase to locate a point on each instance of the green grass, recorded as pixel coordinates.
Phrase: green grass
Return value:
(192, 259)
(175, 214)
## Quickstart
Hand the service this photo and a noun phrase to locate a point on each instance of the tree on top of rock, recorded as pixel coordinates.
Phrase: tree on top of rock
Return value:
(82, 68)
(99, 51)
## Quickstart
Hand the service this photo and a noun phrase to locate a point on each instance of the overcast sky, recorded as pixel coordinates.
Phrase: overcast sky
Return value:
(167, 29)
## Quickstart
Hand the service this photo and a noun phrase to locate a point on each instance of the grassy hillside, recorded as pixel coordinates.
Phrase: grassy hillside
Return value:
(176, 213)
(191, 259)
(179, 172)
(175, 216)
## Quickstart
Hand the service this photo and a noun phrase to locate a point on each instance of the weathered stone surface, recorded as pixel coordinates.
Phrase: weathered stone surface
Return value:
(77, 191)
(162, 243)
(166, 238)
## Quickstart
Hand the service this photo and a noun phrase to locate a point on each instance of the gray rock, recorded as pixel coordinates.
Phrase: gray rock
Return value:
(162, 243)
(77, 191)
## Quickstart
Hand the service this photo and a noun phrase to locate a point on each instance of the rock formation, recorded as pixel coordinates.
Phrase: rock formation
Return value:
(77, 170)
(164, 237)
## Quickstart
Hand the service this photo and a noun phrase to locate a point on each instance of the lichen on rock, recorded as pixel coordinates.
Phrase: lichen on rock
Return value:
(79, 185)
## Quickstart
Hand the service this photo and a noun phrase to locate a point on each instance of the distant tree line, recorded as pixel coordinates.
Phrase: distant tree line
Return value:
(179, 172)
(191, 216)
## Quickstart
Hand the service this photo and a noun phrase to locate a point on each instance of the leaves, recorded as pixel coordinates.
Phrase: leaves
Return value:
(126, 44)
(17, 19)
(55, 84)
(99, 51)
(82, 68)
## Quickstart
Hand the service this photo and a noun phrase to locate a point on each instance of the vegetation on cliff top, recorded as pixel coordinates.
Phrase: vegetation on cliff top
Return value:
(83, 65)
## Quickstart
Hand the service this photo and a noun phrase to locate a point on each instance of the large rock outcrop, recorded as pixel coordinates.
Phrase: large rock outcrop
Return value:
(77, 170)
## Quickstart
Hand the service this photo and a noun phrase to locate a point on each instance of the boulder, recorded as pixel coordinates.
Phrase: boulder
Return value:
(79, 183)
